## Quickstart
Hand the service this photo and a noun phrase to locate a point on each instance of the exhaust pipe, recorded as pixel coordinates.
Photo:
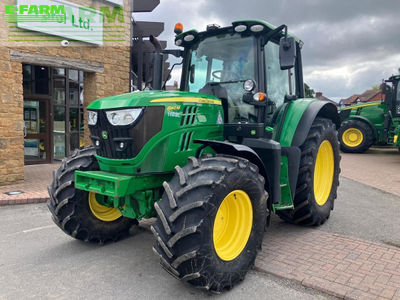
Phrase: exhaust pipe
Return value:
(158, 64)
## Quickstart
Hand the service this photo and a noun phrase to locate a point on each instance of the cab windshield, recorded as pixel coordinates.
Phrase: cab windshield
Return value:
(223, 63)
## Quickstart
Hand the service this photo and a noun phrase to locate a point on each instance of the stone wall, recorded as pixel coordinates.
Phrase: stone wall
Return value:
(114, 56)
(11, 120)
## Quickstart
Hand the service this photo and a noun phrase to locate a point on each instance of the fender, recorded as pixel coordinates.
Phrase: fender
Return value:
(299, 116)
(315, 109)
(264, 153)
(365, 120)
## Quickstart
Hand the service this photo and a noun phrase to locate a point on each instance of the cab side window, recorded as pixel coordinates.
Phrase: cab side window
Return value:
(398, 93)
(277, 79)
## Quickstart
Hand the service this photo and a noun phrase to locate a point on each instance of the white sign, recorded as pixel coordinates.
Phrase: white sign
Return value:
(81, 23)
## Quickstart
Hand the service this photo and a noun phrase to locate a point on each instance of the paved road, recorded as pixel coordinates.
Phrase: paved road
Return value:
(39, 261)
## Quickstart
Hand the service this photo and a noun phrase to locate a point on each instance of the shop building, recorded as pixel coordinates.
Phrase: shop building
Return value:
(46, 83)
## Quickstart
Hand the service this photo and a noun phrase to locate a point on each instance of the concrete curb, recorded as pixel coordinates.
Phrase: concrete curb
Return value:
(5, 202)
(312, 282)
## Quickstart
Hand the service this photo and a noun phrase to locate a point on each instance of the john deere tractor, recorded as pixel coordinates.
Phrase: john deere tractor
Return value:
(372, 123)
(212, 161)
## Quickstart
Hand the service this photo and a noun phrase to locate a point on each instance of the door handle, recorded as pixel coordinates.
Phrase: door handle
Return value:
(25, 130)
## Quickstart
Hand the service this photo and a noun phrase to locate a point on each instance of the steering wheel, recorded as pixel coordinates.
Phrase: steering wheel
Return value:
(218, 74)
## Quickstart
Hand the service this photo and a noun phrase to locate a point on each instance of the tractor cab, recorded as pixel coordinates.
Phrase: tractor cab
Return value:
(252, 66)
(392, 100)
(392, 94)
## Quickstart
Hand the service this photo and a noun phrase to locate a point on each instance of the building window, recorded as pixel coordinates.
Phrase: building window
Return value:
(36, 80)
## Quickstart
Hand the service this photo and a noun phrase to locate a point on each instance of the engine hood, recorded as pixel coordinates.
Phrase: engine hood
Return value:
(151, 98)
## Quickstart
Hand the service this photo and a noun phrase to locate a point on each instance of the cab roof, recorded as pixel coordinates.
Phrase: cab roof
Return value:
(190, 36)
(393, 78)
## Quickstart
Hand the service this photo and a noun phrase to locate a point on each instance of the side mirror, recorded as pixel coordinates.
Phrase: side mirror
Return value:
(191, 75)
(287, 52)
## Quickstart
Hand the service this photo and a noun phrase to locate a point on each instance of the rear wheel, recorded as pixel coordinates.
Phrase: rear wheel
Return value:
(355, 136)
(211, 221)
(318, 176)
(79, 213)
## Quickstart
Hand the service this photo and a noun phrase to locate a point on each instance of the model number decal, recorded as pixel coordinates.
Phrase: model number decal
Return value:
(173, 114)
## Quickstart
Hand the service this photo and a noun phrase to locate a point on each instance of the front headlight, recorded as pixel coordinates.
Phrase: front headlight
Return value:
(123, 117)
(92, 117)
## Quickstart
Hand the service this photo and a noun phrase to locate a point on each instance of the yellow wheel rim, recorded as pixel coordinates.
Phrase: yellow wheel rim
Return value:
(323, 172)
(101, 212)
(352, 137)
(232, 225)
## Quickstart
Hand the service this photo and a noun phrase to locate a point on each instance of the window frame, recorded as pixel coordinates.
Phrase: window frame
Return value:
(188, 55)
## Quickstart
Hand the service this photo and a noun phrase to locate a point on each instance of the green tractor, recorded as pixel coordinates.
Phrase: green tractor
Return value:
(373, 123)
(212, 161)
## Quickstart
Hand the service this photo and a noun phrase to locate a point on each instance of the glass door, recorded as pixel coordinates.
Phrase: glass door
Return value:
(36, 137)
(68, 120)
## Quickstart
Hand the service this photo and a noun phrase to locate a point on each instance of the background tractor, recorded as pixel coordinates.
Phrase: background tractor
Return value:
(211, 161)
(378, 122)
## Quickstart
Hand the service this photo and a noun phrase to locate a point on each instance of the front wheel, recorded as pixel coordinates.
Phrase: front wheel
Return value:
(318, 178)
(79, 213)
(211, 221)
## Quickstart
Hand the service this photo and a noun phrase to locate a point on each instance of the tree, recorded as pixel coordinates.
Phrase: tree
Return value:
(376, 87)
(309, 92)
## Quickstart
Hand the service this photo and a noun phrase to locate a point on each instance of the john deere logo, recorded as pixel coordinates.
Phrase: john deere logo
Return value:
(104, 134)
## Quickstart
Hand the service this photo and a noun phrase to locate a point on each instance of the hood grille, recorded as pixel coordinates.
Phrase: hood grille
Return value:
(132, 137)
(188, 115)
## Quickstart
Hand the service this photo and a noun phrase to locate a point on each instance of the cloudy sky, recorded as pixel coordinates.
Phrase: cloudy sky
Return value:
(349, 45)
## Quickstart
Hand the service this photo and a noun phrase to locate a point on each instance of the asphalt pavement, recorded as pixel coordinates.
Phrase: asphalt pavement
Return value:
(38, 260)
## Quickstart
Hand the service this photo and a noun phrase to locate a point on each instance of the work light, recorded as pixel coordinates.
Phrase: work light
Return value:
(189, 38)
(249, 85)
(123, 117)
(257, 28)
(240, 28)
(92, 117)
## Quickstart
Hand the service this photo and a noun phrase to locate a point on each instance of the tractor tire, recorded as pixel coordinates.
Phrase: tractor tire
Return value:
(74, 210)
(318, 178)
(202, 241)
(355, 136)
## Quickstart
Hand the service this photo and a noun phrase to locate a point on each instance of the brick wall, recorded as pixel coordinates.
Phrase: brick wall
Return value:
(115, 80)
